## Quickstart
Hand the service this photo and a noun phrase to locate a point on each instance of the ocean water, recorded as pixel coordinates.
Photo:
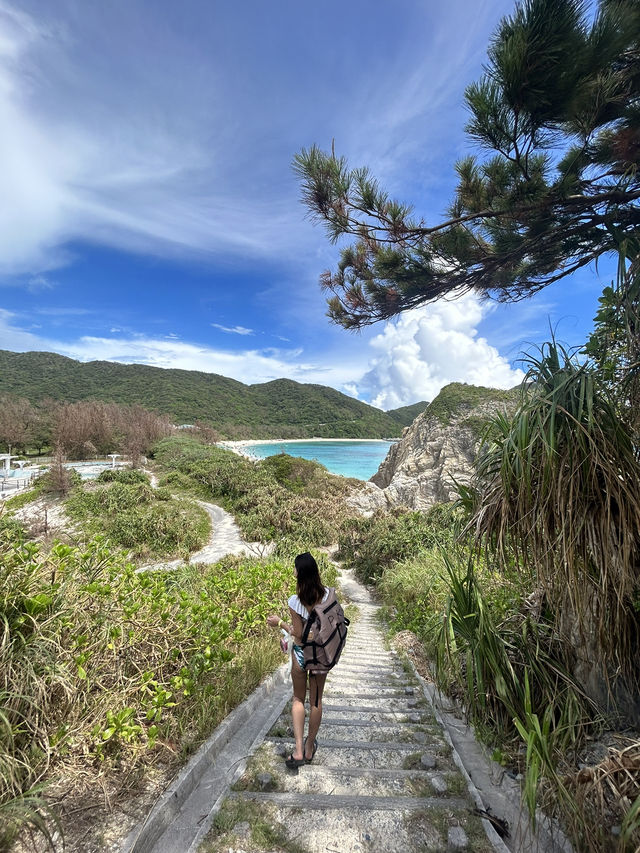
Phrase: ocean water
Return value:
(359, 459)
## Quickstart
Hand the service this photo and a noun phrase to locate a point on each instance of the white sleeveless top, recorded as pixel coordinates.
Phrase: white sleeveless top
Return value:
(298, 607)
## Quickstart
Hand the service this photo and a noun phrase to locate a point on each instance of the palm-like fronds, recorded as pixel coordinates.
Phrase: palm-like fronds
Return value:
(560, 486)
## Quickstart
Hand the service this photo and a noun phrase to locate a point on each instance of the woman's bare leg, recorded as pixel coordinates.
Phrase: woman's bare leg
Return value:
(299, 679)
(316, 688)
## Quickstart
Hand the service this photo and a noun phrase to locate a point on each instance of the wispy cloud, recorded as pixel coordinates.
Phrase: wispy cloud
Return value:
(175, 161)
(54, 311)
(234, 330)
(39, 282)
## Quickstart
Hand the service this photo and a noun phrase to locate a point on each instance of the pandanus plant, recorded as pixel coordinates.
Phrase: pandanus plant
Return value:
(558, 487)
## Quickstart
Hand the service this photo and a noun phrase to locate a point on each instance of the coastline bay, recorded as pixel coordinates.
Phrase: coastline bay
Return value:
(358, 458)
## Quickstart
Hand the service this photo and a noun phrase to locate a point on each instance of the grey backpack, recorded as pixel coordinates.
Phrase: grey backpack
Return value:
(324, 635)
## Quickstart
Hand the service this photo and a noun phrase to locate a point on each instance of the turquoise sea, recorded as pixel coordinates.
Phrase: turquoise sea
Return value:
(359, 459)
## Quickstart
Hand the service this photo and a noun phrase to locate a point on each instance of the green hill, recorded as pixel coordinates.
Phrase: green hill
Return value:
(406, 415)
(278, 409)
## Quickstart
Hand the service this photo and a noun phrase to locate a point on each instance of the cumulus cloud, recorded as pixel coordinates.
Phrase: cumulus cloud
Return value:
(429, 347)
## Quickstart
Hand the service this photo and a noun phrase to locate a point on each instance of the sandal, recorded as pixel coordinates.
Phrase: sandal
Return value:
(292, 762)
(304, 751)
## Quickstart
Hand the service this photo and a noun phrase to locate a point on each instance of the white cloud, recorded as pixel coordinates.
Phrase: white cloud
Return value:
(234, 330)
(351, 389)
(429, 347)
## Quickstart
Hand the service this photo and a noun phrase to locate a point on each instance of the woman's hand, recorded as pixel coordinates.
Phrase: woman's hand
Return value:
(272, 620)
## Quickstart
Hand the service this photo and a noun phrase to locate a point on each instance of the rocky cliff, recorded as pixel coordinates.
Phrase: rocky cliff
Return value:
(438, 447)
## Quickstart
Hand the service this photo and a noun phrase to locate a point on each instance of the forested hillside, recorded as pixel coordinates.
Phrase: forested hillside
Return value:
(406, 415)
(278, 409)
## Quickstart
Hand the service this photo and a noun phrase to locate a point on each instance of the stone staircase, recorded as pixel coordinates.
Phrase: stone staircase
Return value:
(383, 778)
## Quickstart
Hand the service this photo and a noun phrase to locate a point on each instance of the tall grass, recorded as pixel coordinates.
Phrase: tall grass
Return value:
(103, 668)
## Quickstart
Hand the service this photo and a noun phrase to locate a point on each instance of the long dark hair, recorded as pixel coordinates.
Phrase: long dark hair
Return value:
(310, 589)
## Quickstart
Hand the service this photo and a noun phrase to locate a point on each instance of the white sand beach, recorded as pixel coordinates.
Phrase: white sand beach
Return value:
(243, 448)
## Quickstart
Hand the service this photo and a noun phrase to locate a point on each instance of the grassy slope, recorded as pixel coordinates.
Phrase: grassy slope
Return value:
(457, 398)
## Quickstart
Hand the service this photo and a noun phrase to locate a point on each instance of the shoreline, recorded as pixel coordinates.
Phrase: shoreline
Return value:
(242, 448)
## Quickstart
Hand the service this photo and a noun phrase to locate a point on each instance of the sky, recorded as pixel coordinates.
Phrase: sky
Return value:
(149, 213)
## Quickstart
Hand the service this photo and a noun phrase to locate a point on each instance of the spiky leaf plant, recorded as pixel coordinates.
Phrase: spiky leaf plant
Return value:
(559, 487)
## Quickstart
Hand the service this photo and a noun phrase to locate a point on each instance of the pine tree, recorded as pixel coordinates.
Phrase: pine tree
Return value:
(557, 113)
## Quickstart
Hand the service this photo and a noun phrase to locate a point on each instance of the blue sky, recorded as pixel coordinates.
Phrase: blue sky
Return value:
(150, 214)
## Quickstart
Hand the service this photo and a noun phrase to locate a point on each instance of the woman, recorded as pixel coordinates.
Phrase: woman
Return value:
(310, 592)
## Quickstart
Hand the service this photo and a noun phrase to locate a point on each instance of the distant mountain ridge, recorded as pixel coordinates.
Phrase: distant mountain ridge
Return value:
(406, 415)
(278, 409)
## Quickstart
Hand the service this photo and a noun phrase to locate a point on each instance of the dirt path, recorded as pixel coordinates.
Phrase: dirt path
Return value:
(225, 539)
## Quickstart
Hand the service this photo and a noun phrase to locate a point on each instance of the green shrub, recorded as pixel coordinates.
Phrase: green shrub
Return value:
(370, 545)
(102, 667)
(10, 529)
(146, 521)
(293, 472)
(270, 500)
(176, 480)
(122, 475)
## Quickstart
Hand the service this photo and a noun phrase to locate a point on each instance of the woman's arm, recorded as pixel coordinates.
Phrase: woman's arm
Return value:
(295, 625)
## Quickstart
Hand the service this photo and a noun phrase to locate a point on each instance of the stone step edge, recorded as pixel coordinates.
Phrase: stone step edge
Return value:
(365, 675)
(351, 801)
(370, 745)
(357, 724)
(372, 669)
(368, 709)
(399, 773)
(353, 693)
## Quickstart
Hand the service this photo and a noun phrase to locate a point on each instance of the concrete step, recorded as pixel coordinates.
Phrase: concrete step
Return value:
(360, 730)
(324, 802)
(383, 825)
(371, 714)
(368, 671)
(337, 783)
(381, 755)
(356, 687)
(390, 704)
(363, 677)
(384, 782)
(373, 732)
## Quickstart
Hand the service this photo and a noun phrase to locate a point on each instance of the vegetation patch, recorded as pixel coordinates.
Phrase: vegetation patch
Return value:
(458, 398)
(250, 826)
(147, 522)
(281, 500)
(371, 545)
(104, 669)
(262, 774)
